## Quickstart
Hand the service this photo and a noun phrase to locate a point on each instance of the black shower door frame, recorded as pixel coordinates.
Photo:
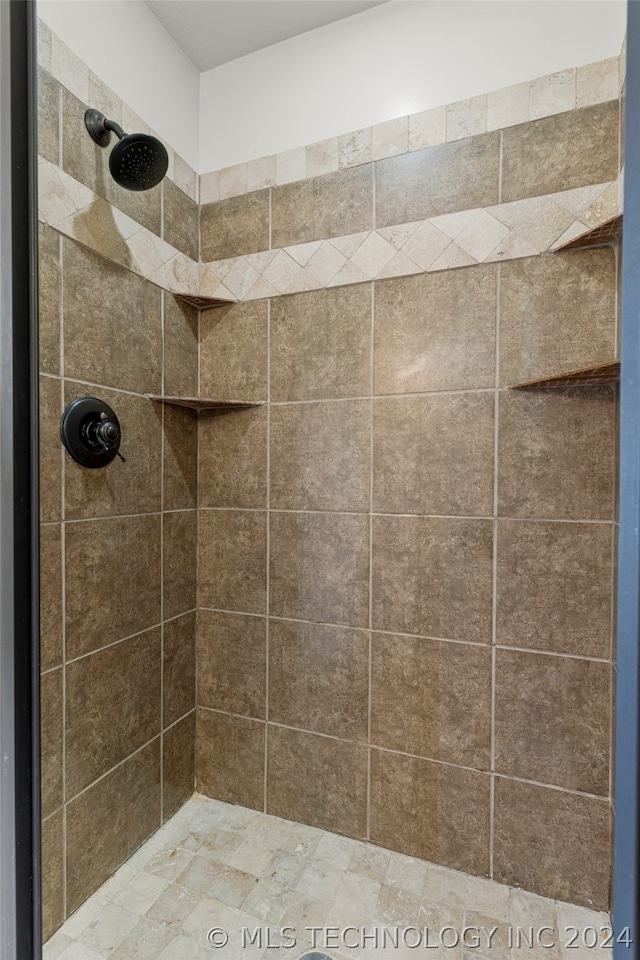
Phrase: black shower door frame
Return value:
(20, 897)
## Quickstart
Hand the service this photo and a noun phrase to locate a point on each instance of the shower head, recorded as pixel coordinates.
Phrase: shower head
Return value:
(138, 161)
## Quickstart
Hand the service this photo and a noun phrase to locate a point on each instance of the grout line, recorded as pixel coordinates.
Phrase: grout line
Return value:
(494, 598)
(131, 636)
(268, 545)
(63, 564)
(482, 518)
(371, 437)
(162, 560)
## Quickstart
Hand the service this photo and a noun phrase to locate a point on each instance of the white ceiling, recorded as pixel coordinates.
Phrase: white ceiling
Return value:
(212, 32)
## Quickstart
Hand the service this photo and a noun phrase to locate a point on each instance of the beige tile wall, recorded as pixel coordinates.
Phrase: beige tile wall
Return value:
(405, 568)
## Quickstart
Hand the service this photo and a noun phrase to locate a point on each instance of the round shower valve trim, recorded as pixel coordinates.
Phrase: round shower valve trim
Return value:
(90, 432)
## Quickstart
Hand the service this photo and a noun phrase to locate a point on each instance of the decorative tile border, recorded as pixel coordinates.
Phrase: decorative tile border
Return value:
(556, 93)
(507, 231)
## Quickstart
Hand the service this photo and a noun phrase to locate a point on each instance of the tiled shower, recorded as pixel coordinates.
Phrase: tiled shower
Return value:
(375, 593)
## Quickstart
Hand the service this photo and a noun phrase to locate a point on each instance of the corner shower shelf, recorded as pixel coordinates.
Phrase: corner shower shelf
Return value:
(202, 303)
(206, 403)
(607, 232)
(584, 377)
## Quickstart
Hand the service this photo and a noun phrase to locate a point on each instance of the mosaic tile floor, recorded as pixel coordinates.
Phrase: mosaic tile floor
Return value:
(217, 867)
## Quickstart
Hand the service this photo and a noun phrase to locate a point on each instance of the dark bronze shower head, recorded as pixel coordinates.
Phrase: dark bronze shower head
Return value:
(138, 161)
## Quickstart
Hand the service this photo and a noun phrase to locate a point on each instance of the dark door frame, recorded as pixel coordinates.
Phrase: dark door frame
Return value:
(20, 897)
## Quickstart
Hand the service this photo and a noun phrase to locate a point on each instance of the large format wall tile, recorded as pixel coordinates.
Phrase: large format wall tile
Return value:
(329, 206)
(232, 663)
(179, 561)
(432, 698)
(232, 560)
(556, 454)
(434, 455)
(178, 765)
(180, 348)
(330, 781)
(234, 353)
(321, 344)
(48, 116)
(52, 874)
(233, 458)
(554, 587)
(106, 823)
(180, 467)
(49, 290)
(552, 720)
(319, 678)
(85, 161)
(440, 179)
(553, 843)
(113, 336)
(179, 667)
(233, 227)
(50, 596)
(557, 313)
(436, 331)
(50, 411)
(568, 150)
(180, 220)
(430, 810)
(112, 707)
(320, 456)
(51, 713)
(433, 576)
(230, 758)
(121, 488)
(319, 567)
(112, 580)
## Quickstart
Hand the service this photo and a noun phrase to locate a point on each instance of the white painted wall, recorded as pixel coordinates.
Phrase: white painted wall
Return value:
(399, 58)
(128, 48)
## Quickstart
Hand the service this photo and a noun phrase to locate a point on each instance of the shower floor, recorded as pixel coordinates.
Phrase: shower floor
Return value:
(214, 865)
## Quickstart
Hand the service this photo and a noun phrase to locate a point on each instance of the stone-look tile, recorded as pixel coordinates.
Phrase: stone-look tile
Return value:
(50, 411)
(185, 177)
(508, 106)
(355, 148)
(556, 454)
(210, 187)
(102, 98)
(121, 488)
(572, 149)
(543, 839)
(51, 741)
(329, 206)
(434, 455)
(48, 116)
(178, 766)
(180, 531)
(467, 118)
(320, 567)
(439, 179)
(180, 476)
(436, 331)
(234, 352)
(291, 165)
(85, 161)
(554, 93)
(320, 456)
(430, 810)
(232, 560)
(118, 560)
(557, 313)
(52, 875)
(232, 450)
(43, 54)
(319, 678)
(432, 698)
(113, 337)
(233, 181)
(597, 82)
(50, 596)
(261, 173)
(236, 226)
(180, 220)
(112, 707)
(49, 290)
(230, 759)
(321, 344)
(433, 576)
(180, 348)
(552, 720)
(144, 942)
(179, 667)
(428, 128)
(391, 138)
(322, 157)
(330, 788)
(107, 822)
(232, 663)
(554, 588)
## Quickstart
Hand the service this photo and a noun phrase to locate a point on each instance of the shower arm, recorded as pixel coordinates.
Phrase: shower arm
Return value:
(115, 128)
(100, 129)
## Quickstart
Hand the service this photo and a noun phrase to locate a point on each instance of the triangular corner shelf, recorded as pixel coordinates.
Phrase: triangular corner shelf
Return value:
(205, 403)
(584, 377)
(202, 303)
(608, 232)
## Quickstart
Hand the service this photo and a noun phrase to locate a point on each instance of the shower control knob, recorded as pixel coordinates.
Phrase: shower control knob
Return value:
(91, 433)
